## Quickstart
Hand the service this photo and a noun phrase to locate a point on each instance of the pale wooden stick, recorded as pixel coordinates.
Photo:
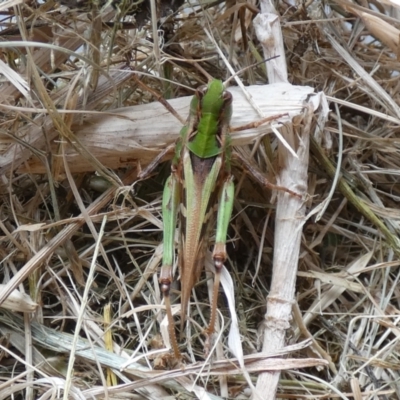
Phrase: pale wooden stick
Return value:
(119, 138)
(290, 212)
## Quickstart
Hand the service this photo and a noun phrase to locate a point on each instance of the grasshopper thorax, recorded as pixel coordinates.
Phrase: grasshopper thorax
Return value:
(213, 107)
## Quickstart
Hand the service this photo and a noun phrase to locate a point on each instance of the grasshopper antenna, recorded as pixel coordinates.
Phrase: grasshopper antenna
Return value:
(248, 67)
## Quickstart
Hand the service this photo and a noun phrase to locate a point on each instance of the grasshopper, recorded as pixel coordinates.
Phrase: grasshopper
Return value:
(200, 177)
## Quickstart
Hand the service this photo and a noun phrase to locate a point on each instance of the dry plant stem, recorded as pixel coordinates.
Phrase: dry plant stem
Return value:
(47, 251)
(62, 342)
(269, 33)
(137, 139)
(298, 318)
(28, 356)
(160, 99)
(352, 270)
(290, 209)
(33, 135)
(67, 39)
(346, 190)
(289, 222)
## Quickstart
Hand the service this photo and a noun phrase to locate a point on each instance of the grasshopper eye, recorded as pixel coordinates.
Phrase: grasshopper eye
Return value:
(227, 96)
(201, 91)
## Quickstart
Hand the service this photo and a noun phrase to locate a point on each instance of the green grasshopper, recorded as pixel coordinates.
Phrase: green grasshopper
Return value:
(200, 175)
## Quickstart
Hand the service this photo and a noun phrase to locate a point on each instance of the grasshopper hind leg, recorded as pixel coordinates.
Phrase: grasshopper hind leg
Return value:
(165, 288)
(170, 204)
(219, 253)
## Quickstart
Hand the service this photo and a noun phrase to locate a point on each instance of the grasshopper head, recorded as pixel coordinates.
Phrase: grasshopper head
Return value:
(211, 123)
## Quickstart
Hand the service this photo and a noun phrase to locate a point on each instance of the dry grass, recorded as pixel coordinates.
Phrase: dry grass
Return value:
(83, 238)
